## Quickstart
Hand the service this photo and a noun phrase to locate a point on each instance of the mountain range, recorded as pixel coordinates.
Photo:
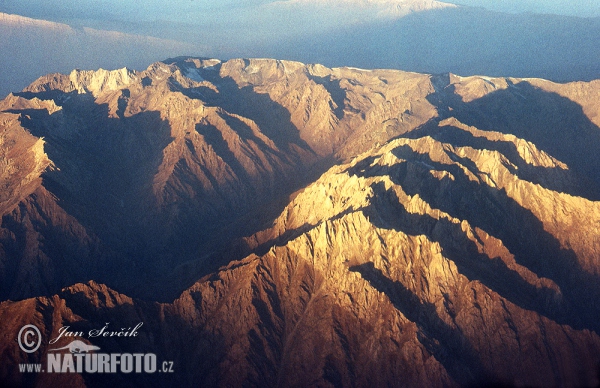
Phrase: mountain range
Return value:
(35, 47)
(275, 223)
(417, 35)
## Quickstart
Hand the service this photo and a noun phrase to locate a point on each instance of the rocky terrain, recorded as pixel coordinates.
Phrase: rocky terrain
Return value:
(280, 224)
(158, 165)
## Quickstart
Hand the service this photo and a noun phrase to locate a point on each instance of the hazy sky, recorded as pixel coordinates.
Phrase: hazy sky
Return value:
(583, 8)
(338, 35)
(179, 10)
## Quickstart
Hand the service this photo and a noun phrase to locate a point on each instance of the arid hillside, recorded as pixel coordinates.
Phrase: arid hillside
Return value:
(273, 223)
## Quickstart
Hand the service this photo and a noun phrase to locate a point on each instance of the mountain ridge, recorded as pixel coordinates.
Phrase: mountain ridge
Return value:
(38, 47)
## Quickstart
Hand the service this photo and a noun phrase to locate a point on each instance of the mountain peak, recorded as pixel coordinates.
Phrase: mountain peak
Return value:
(18, 21)
(379, 8)
(101, 80)
(417, 4)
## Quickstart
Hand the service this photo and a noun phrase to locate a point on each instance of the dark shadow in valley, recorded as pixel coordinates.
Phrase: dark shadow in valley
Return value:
(59, 97)
(337, 93)
(103, 163)
(106, 167)
(447, 344)
(456, 246)
(273, 156)
(273, 119)
(102, 177)
(122, 103)
(552, 178)
(214, 137)
(499, 215)
(291, 234)
(553, 123)
(69, 255)
(195, 351)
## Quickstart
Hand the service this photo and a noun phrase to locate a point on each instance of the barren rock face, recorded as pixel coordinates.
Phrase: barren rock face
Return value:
(372, 227)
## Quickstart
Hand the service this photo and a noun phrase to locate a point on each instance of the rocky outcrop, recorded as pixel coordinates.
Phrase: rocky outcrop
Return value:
(23, 161)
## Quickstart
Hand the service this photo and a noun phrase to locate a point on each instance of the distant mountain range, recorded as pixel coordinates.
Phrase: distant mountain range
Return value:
(461, 40)
(32, 48)
(423, 36)
(274, 223)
